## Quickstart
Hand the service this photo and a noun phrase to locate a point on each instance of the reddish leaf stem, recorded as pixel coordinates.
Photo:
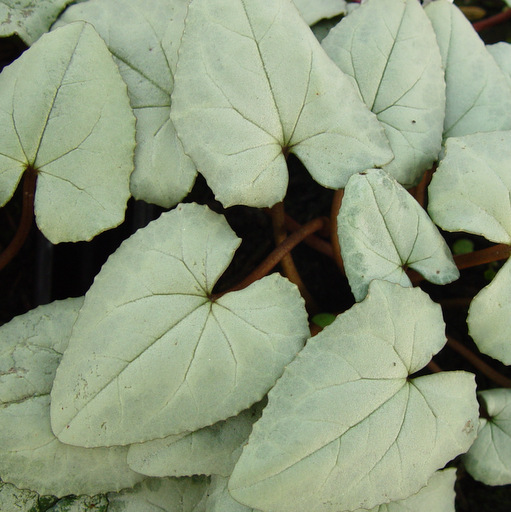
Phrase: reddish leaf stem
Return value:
(492, 21)
(27, 216)
(334, 237)
(313, 241)
(278, 253)
(483, 256)
(475, 361)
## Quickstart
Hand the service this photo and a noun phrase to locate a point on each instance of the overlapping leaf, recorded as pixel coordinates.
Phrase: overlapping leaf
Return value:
(219, 500)
(31, 456)
(209, 451)
(489, 316)
(315, 10)
(501, 52)
(383, 231)
(161, 495)
(345, 415)
(389, 49)
(478, 92)
(489, 458)
(64, 111)
(29, 19)
(144, 39)
(257, 85)
(152, 355)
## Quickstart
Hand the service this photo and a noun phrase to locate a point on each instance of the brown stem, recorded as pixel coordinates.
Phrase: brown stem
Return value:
(313, 241)
(27, 216)
(334, 237)
(475, 361)
(483, 256)
(278, 217)
(420, 191)
(492, 21)
(278, 253)
(434, 367)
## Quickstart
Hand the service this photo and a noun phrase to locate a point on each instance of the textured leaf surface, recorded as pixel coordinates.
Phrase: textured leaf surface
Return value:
(161, 495)
(349, 388)
(17, 500)
(257, 85)
(478, 93)
(389, 48)
(489, 317)
(219, 500)
(489, 458)
(96, 503)
(29, 19)
(315, 10)
(32, 457)
(132, 374)
(470, 191)
(64, 111)
(209, 451)
(383, 230)
(437, 495)
(144, 38)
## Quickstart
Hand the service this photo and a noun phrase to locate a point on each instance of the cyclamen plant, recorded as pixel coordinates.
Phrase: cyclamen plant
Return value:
(157, 391)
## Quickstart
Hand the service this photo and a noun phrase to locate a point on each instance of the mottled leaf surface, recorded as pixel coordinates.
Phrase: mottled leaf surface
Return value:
(132, 374)
(161, 495)
(29, 19)
(478, 92)
(437, 495)
(471, 189)
(17, 500)
(389, 49)
(257, 85)
(209, 451)
(31, 456)
(345, 414)
(144, 39)
(64, 111)
(489, 316)
(489, 458)
(383, 230)
(219, 499)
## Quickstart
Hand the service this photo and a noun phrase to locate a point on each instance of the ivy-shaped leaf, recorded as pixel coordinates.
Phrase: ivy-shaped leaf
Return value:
(209, 451)
(383, 230)
(437, 495)
(161, 495)
(489, 458)
(64, 112)
(132, 374)
(345, 414)
(314, 10)
(31, 456)
(471, 189)
(144, 38)
(478, 92)
(257, 85)
(489, 317)
(389, 49)
(29, 19)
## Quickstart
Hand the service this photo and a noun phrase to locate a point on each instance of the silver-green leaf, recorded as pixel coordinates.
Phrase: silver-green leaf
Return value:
(152, 354)
(257, 85)
(345, 427)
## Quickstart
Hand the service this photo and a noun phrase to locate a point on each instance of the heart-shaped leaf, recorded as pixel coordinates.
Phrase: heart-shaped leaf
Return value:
(64, 112)
(470, 191)
(31, 456)
(478, 92)
(390, 50)
(437, 495)
(209, 451)
(161, 495)
(257, 85)
(489, 317)
(489, 458)
(132, 374)
(144, 38)
(383, 230)
(29, 19)
(345, 414)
